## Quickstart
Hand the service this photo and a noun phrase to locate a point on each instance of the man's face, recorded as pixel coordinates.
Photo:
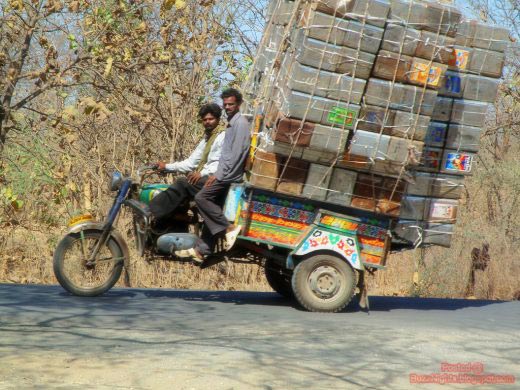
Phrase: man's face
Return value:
(209, 122)
(231, 106)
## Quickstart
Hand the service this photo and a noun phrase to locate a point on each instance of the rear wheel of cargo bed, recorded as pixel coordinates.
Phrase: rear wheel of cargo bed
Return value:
(324, 283)
(277, 279)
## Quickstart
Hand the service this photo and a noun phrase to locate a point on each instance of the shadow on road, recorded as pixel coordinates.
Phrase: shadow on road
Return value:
(377, 303)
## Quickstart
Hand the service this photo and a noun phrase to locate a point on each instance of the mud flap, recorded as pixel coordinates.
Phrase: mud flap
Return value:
(363, 292)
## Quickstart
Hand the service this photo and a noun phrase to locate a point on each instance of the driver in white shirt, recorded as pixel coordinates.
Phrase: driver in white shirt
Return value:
(199, 166)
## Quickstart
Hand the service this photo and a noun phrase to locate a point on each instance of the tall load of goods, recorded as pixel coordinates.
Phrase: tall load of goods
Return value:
(375, 105)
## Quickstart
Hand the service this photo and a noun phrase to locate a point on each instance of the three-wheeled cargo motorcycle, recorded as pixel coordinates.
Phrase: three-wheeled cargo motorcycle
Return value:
(314, 251)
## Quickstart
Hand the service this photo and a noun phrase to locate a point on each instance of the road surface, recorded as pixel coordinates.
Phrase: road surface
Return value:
(155, 339)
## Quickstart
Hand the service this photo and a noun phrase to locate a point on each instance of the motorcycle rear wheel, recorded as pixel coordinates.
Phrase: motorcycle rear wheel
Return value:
(77, 276)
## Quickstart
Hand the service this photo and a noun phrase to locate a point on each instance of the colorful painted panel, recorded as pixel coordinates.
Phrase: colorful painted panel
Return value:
(274, 233)
(352, 226)
(371, 259)
(324, 240)
(284, 202)
(282, 212)
(277, 220)
(371, 246)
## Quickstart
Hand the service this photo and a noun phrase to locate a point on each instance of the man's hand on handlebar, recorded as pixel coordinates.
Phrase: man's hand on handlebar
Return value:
(160, 166)
(194, 177)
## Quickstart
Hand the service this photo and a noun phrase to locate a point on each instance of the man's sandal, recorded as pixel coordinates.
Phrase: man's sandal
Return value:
(231, 238)
(189, 254)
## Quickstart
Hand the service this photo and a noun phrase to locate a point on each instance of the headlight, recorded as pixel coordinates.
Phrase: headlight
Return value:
(116, 181)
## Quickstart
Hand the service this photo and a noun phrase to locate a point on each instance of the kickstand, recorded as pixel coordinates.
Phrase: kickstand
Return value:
(363, 294)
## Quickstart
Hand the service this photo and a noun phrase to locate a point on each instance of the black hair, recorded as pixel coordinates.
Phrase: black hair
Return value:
(211, 108)
(230, 92)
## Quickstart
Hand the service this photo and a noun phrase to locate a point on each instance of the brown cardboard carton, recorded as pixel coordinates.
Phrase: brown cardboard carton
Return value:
(468, 112)
(339, 31)
(392, 66)
(409, 125)
(436, 185)
(294, 131)
(435, 47)
(443, 109)
(372, 11)
(317, 182)
(264, 173)
(293, 173)
(486, 63)
(341, 186)
(400, 39)
(452, 84)
(410, 98)
(475, 34)
(375, 119)
(483, 89)
(338, 59)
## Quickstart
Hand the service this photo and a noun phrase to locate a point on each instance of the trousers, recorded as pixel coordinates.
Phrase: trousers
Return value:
(164, 204)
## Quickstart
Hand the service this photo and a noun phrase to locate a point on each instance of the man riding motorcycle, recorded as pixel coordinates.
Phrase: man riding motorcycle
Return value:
(200, 166)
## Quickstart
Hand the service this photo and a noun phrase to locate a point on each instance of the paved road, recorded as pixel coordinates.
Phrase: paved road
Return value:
(153, 339)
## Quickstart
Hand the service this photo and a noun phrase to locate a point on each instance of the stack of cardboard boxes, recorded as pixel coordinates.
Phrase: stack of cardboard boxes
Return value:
(376, 105)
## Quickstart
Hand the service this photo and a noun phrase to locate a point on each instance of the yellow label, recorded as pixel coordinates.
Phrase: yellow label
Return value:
(459, 59)
(426, 74)
(80, 219)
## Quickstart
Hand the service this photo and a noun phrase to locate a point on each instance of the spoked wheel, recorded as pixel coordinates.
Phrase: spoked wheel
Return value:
(279, 282)
(324, 283)
(79, 276)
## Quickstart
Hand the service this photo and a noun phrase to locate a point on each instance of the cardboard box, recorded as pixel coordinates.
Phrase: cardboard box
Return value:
(442, 18)
(338, 59)
(384, 93)
(452, 84)
(462, 137)
(329, 138)
(468, 112)
(341, 186)
(372, 11)
(317, 182)
(443, 109)
(315, 109)
(424, 72)
(375, 119)
(279, 11)
(372, 146)
(483, 89)
(410, 126)
(435, 47)
(392, 66)
(264, 173)
(366, 190)
(400, 39)
(431, 159)
(278, 173)
(330, 85)
(294, 131)
(293, 173)
(436, 185)
(436, 136)
(443, 210)
(424, 233)
(487, 63)
(415, 208)
(460, 58)
(341, 32)
(475, 34)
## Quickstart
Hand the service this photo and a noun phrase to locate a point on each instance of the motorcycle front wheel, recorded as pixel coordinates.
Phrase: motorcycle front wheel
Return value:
(79, 276)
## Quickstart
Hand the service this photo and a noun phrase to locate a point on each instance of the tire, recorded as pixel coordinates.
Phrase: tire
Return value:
(75, 276)
(279, 282)
(324, 283)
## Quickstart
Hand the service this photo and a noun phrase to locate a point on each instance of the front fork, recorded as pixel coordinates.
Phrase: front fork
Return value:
(107, 227)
